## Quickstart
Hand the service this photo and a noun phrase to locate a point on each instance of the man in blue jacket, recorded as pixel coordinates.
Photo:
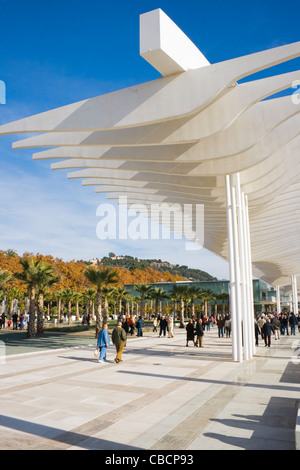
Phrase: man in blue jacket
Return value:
(103, 342)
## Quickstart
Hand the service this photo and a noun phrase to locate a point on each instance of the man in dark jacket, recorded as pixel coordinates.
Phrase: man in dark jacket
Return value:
(267, 330)
(190, 332)
(119, 339)
(199, 334)
(293, 322)
(163, 324)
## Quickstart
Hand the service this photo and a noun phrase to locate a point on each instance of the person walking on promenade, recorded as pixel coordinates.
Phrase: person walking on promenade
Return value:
(257, 331)
(131, 325)
(190, 332)
(227, 326)
(15, 321)
(103, 342)
(268, 329)
(22, 322)
(170, 326)
(276, 324)
(125, 325)
(199, 334)
(221, 324)
(163, 324)
(119, 340)
(284, 325)
(2, 320)
(293, 323)
(139, 325)
(261, 321)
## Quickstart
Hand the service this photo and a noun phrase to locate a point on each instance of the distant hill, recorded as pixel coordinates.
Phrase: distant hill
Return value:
(131, 263)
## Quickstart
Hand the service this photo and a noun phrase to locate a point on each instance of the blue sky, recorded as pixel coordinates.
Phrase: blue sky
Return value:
(59, 52)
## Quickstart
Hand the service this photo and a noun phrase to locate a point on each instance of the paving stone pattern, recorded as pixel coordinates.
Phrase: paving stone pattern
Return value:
(163, 396)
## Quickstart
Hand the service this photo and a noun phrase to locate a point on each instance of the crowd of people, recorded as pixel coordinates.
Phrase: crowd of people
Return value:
(17, 322)
(266, 326)
(272, 324)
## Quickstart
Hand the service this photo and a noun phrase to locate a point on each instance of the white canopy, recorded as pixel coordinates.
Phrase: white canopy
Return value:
(176, 138)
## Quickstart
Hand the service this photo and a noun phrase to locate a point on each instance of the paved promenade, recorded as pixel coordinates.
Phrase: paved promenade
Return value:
(163, 396)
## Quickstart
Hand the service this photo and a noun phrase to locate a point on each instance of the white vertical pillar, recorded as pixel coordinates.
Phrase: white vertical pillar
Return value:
(250, 281)
(243, 267)
(278, 305)
(232, 293)
(237, 277)
(295, 294)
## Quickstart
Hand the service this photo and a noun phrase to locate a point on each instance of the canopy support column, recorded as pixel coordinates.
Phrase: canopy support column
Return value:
(235, 287)
(241, 289)
(249, 277)
(278, 304)
(295, 294)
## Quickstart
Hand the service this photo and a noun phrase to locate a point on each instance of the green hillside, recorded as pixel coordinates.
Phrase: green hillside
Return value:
(129, 262)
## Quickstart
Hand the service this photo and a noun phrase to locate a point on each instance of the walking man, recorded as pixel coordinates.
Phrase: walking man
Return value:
(103, 342)
(293, 323)
(199, 334)
(163, 324)
(119, 340)
(268, 329)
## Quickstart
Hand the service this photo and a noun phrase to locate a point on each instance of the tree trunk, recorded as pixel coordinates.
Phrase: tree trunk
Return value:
(59, 310)
(40, 315)
(193, 308)
(142, 306)
(77, 311)
(181, 313)
(69, 312)
(31, 323)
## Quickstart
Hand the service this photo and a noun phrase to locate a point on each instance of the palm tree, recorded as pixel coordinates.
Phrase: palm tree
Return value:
(89, 298)
(30, 276)
(46, 278)
(224, 296)
(13, 294)
(107, 292)
(67, 296)
(59, 299)
(77, 297)
(158, 294)
(194, 293)
(5, 278)
(180, 292)
(144, 290)
(207, 296)
(100, 277)
(120, 294)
